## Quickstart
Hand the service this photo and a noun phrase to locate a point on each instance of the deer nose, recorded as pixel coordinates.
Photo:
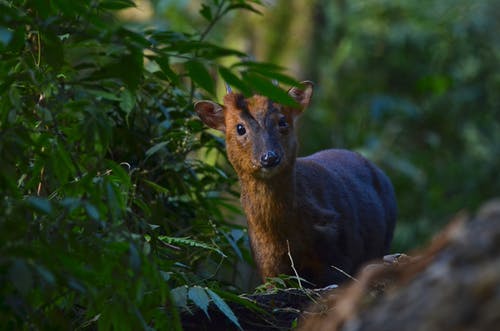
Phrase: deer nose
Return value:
(269, 159)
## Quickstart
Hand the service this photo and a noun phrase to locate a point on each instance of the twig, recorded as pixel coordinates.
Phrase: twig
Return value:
(293, 265)
(39, 188)
(218, 15)
(345, 273)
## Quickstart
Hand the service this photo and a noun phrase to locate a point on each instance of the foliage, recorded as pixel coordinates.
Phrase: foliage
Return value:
(105, 205)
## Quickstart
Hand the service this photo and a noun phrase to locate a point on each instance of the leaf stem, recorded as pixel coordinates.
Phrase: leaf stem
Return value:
(218, 15)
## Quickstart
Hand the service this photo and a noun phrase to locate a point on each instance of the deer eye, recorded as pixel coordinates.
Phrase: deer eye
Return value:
(241, 129)
(282, 123)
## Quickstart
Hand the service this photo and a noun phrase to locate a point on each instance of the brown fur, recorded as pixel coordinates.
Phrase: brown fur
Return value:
(316, 206)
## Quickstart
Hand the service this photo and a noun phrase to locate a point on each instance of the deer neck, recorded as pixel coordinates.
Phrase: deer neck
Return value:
(269, 207)
(269, 203)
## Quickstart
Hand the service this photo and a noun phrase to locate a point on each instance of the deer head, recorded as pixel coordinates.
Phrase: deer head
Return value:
(260, 137)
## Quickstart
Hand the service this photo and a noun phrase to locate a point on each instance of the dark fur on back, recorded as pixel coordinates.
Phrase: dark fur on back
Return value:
(361, 207)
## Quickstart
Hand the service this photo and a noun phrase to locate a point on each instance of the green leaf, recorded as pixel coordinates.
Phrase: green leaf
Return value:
(102, 94)
(245, 302)
(119, 174)
(146, 250)
(156, 148)
(114, 201)
(209, 51)
(127, 101)
(5, 36)
(268, 89)
(200, 76)
(234, 81)
(62, 163)
(41, 204)
(179, 296)
(70, 203)
(268, 70)
(262, 66)
(190, 242)
(156, 187)
(165, 275)
(134, 258)
(233, 245)
(200, 298)
(46, 274)
(223, 307)
(116, 4)
(282, 78)
(243, 6)
(164, 64)
(206, 12)
(92, 211)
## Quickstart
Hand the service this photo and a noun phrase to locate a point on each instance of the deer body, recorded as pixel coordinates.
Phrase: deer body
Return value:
(331, 209)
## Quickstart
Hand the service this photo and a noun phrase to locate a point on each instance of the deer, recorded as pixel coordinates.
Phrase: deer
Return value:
(319, 217)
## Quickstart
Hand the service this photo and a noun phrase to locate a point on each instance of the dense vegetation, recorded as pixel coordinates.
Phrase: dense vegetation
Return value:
(104, 208)
(116, 204)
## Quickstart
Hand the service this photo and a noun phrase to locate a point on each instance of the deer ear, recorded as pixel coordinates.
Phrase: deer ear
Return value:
(211, 113)
(302, 94)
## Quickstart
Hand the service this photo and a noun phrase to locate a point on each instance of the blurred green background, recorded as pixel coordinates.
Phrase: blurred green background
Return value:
(412, 85)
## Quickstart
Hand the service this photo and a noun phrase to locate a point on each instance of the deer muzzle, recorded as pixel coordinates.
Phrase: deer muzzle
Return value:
(270, 159)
